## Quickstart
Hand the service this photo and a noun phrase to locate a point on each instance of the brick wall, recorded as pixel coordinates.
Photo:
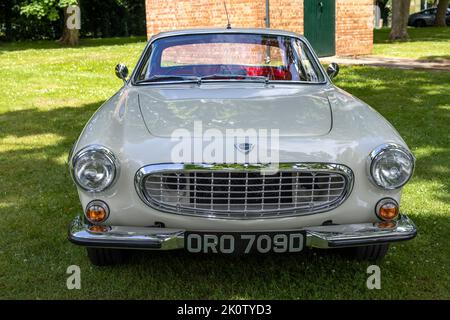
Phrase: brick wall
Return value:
(286, 14)
(354, 27)
(354, 18)
(163, 15)
(246, 54)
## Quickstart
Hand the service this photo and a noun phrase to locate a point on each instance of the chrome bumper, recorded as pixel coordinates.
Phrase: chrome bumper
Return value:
(330, 236)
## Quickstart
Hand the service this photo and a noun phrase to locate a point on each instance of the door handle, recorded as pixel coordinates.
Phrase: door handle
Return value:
(321, 6)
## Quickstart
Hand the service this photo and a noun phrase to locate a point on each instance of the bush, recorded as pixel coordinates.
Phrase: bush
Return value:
(99, 18)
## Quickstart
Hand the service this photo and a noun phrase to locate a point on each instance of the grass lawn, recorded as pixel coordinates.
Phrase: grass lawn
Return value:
(49, 93)
(431, 43)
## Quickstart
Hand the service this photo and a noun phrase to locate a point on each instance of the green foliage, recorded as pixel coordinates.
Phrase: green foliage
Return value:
(43, 19)
(108, 18)
(45, 8)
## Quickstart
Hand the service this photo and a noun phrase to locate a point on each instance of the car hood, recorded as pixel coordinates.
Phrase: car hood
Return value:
(302, 111)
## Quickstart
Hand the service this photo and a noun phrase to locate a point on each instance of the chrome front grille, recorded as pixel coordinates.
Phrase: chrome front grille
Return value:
(244, 192)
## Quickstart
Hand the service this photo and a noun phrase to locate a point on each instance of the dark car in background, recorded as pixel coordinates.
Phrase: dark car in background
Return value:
(426, 18)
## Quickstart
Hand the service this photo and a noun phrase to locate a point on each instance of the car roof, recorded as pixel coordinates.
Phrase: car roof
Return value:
(225, 30)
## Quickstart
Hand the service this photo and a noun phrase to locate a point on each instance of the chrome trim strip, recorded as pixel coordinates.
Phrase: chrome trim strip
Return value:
(379, 150)
(126, 237)
(337, 236)
(332, 236)
(139, 181)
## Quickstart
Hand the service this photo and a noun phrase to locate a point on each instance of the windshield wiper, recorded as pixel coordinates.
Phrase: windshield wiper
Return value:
(157, 78)
(234, 76)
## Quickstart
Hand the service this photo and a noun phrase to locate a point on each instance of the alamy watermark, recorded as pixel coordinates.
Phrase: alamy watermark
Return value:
(74, 279)
(73, 18)
(374, 280)
(250, 146)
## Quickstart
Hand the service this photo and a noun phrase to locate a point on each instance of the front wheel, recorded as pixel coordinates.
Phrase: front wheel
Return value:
(371, 253)
(106, 257)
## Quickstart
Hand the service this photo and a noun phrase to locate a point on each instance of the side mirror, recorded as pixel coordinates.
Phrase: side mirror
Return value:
(122, 71)
(333, 70)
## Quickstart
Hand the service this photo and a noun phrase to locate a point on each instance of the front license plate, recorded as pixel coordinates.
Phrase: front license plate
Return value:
(243, 243)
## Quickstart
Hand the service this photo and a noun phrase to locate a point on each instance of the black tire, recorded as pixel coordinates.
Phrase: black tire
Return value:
(420, 23)
(371, 253)
(105, 257)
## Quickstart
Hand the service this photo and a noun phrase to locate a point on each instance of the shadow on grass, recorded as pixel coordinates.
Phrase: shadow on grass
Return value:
(84, 43)
(36, 184)
(33, 159)
(417, 104)
(311, 274)
(443, 57)
(414, 102)
(271, 276)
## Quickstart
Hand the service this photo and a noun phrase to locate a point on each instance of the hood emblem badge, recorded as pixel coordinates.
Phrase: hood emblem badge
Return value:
(244, 147)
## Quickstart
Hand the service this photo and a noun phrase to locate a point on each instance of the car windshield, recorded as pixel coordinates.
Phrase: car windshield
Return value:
(229, 57)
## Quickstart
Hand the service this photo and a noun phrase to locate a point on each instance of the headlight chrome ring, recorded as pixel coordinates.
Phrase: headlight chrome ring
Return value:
(390, 166)
(94, 168)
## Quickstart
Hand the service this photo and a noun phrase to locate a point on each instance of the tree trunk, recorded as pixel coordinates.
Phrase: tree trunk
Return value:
(441, 12)
(70, 36)
(400, 14)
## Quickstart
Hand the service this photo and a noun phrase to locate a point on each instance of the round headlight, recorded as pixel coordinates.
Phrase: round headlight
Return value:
(391, 166)
(94, 168)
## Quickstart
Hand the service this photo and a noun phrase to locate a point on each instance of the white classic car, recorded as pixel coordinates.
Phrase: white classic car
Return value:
(235, 141)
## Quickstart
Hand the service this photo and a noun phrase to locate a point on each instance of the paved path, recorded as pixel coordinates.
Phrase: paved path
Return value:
(402, 63)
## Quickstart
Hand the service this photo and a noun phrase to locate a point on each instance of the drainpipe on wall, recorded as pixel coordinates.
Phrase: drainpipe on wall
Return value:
(267, 18)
